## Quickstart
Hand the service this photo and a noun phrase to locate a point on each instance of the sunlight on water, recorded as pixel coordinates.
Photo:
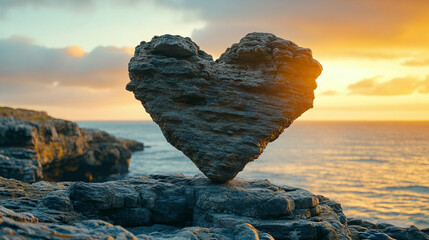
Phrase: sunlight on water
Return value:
(379, 171)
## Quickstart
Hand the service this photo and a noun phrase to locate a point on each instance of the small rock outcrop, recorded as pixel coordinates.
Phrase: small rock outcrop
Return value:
(179, 207)
(35, 146)
(223, 113)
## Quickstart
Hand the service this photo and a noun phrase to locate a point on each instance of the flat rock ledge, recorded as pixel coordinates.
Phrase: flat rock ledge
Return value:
(178, 207)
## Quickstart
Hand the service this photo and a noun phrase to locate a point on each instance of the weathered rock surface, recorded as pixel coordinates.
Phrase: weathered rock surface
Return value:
(223, 113)
(20, 163)
(383, 231)
(35, 146)
(178, 207)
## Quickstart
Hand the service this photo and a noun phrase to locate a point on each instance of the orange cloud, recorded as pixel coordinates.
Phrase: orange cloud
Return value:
(128, 50)
(423, 107)
(393, 87)
(74, 51)
(65, 78)
(332, 28)
(103, 67)
(329, 92)
(416, 63)
(424, 86)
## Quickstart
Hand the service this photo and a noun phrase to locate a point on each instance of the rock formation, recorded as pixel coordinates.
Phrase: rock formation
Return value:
(35, 146)
(223, 113)
(178, 207)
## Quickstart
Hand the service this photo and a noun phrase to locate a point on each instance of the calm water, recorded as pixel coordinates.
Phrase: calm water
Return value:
(379, 171)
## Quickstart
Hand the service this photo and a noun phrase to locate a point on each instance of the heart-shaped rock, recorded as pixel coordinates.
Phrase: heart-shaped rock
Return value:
(223, 113)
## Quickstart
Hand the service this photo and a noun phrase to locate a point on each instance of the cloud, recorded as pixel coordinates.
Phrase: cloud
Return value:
(7, 5)
(386, 107)
(32, 74)
(60, 96)
(424, 86)
(416, 63)
(369, 54)
(393, 87)
(22, 62)
(74, 51)
(72, 5)
(331, 27)
(330, 92)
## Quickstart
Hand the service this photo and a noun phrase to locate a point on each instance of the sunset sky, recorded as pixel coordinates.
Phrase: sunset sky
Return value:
(70, 57)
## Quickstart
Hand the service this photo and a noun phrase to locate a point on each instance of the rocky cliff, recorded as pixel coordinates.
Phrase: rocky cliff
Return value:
(179, 207)
(35, 146)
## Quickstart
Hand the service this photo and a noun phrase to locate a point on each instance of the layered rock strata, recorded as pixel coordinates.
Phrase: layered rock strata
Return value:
(178, 207)
(223, 113)
(35, 146)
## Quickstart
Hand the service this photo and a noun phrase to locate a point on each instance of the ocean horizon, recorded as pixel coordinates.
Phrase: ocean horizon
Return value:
(377, 170)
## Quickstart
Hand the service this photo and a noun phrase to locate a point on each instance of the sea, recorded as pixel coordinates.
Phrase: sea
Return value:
(378, 171)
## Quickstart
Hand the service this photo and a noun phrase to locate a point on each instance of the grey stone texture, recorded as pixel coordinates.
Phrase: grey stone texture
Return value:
(35, 146)
(223, 113)
(178, 207)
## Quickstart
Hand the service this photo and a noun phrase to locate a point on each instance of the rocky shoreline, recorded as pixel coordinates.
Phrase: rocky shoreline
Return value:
(35, 146)
(221, 114)
(178, 207)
